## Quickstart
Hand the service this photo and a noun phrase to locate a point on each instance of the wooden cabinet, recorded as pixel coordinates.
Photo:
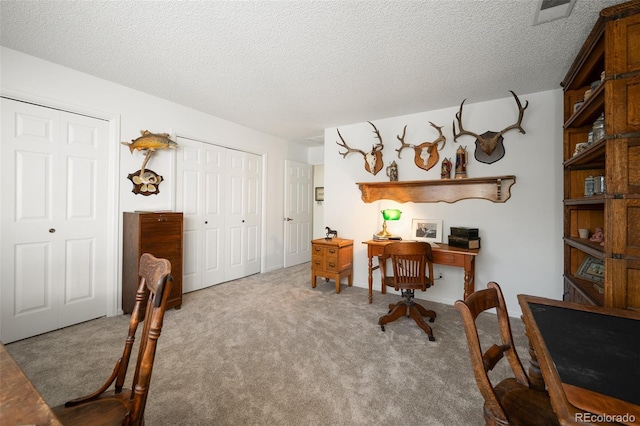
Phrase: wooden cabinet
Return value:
(612, 48)
(159, 234)
(332, 259)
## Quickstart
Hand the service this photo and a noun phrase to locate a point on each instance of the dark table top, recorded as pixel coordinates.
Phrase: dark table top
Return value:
(592, 350)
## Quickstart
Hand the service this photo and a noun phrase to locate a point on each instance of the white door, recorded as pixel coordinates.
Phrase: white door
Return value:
(298, 213)
(53, 221)
(243, 209)
(200, 187)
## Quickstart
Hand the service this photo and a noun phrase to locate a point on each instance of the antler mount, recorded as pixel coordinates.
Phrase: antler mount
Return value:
(489, 145)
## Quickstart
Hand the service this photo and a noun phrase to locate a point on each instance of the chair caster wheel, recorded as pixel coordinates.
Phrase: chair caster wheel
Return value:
(382, 327)
(432, 339)
(432, 319)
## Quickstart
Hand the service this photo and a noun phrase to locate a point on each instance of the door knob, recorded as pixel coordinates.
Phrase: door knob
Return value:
(288, 219)
(205, 222)
(52, 230)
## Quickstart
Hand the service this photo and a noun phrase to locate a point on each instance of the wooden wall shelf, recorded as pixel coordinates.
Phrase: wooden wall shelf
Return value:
(496, 189)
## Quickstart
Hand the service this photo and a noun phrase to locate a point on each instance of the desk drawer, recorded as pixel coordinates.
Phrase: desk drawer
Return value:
(328, 265)
(331, 253)
(450, 259)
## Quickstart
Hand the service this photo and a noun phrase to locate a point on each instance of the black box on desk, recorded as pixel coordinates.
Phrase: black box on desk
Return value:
(463, 231)
(464, 242)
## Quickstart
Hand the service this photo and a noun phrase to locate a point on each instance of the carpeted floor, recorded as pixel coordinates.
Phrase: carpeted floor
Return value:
(270, 350)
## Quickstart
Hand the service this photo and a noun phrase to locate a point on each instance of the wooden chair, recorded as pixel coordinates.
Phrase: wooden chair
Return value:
(123, 406)
(512, 401)
(410, 261)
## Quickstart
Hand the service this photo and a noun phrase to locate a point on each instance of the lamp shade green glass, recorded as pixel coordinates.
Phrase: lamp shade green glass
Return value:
(391, 214)
(388, 214)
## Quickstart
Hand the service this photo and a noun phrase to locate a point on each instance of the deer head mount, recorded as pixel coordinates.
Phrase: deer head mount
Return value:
(426, 154)
(373, 159)
(489, 145)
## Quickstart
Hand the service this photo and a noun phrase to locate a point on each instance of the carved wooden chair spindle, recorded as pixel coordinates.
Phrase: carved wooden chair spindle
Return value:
(512, 401)
(122, 406)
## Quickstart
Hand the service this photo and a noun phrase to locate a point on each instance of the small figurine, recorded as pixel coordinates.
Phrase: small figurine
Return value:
(598, 236)
(461, 162)
(330, 233)
(445, 169)
(392, 172)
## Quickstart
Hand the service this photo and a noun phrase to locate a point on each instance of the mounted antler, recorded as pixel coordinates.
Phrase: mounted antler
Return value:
(425, 156)
(489, 142)
(373, 159)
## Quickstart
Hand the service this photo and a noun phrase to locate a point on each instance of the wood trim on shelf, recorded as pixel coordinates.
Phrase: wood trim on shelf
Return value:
(495, 188)
(585, 245)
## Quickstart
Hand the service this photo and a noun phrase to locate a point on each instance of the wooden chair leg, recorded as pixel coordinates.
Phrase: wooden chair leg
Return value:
(426, 312)
(419, 319)
(398, 311)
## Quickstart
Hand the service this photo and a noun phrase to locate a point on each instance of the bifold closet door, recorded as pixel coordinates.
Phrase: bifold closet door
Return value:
(243, 214)
(219, 193)
(53, 220)
(200, 197)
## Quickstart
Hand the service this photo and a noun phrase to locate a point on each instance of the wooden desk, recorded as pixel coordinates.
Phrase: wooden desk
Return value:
(588, 357)
(442, 255)
(20, 401)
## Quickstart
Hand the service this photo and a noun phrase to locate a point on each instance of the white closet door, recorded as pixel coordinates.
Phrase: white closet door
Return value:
(200, 197)
(219, 193)
(298, 220)
(243, 213)
(53, 219)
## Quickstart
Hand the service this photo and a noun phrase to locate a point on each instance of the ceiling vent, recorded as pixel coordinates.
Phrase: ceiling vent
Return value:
(549, 10)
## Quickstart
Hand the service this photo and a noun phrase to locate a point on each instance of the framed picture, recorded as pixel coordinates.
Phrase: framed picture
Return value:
(320, 193)
(429, 230)
(592, 269)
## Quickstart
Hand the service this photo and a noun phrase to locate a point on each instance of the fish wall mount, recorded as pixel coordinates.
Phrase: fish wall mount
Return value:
(146, 181)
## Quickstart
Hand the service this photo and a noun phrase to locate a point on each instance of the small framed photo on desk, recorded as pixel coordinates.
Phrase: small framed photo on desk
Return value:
(428, 230)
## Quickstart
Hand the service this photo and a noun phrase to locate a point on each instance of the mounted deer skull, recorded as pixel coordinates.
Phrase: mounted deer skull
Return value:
(426, 154)
(489, 146)
(372, 160)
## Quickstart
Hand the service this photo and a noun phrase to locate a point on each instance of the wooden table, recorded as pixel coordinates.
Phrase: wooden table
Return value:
(442, 255)
(588, 358)
(20, 401)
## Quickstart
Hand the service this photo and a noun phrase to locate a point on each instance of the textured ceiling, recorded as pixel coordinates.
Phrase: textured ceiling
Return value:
(293, 68)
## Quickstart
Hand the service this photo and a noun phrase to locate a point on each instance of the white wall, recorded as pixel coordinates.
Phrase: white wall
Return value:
(28, 78)
(521, 239)
(318, 206)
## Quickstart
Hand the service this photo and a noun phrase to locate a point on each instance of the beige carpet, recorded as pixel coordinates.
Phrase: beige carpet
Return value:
(270, 350)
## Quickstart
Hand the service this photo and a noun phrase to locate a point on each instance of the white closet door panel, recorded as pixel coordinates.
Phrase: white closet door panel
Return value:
(243, 215)
(32, 174)
(191, 278)
(188, 202)
(31, 287)
(214, 218)
(80, 281)
(234, 255)
(29, 299)
(81, 182)
(82, 154)
(252, 249)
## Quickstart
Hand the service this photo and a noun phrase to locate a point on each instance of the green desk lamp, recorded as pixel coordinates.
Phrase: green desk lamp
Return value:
(388, 214)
